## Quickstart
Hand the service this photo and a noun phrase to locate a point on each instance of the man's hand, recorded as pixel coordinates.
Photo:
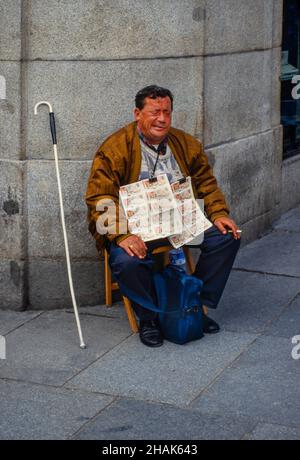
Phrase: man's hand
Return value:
(134, 246)
(223, 223)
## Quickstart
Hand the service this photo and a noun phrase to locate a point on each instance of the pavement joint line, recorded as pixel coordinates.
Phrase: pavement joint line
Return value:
(133, 398)
(277, 316)
(148, 401)
(248, 270)
(11, 379)
(239, 331)
(243, 437)
(56, 387)
(279, 424)
(228, 366)
(71, 436)
(140, 399)
(283, 230)
(277, 336)
(25, 322)
(261, 420)
(95, 315)
(97, 359)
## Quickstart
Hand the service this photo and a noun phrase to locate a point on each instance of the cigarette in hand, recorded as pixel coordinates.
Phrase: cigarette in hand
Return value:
(231, 231)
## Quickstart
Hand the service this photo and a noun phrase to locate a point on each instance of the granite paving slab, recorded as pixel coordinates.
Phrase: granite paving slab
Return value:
(277, 252)
(10, 320)
(288, 323)
(289, 221)
(262, 383)
(131, 419)
(46, 349)
(36, 412)
(271, 432)
(172, 374)
(252, 300)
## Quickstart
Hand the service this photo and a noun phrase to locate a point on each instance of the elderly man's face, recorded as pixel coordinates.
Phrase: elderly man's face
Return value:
(154, 120)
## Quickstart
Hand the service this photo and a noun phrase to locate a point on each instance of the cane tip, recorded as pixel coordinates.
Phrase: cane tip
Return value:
(82, 345)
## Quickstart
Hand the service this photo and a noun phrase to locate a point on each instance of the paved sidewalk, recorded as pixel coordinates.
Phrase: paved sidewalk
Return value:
(239, 384)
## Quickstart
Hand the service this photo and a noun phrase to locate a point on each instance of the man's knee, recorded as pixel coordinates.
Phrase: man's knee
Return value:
(121, 262)
(215, 239)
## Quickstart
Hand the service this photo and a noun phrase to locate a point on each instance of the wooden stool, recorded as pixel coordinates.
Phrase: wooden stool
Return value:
(112, 286)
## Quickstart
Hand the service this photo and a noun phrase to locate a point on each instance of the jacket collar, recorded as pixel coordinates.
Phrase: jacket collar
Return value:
(174, 144)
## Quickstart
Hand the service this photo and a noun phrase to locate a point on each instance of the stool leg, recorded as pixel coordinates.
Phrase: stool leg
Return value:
(166, 258)
(130, 314)
(108, 294)
(189, 260)
(205, 310)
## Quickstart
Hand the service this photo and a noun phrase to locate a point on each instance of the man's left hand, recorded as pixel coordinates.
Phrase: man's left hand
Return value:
(224, 223)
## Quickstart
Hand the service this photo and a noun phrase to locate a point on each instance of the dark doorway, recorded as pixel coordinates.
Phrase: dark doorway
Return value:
(290, 67)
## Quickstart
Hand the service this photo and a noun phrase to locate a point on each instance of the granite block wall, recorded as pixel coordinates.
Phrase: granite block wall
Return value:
(221, 59)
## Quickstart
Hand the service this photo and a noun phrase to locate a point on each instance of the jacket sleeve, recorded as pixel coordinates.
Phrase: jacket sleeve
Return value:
(206, 185)
(102, 197)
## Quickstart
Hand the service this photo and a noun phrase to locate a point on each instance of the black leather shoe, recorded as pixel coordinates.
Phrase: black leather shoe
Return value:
(210, 326)
(150, 333)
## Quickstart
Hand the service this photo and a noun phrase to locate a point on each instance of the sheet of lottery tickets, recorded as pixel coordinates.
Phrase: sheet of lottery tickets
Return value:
(158, 209)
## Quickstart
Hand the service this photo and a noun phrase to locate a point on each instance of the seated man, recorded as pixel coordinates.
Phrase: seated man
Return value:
(146, 146)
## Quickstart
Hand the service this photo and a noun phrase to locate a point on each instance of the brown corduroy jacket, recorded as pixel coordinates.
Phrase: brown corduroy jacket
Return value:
(118, 162)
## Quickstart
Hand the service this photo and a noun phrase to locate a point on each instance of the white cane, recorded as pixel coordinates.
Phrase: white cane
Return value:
(62, 214)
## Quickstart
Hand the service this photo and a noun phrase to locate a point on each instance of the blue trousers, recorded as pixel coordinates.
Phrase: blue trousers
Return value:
(135, 275)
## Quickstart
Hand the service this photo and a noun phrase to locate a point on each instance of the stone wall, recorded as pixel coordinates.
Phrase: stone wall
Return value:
(12, 186)
(221, 59)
